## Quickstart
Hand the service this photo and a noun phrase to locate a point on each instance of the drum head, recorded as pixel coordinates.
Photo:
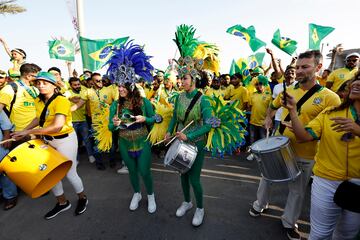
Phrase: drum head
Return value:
(272, 143)
(172, 152)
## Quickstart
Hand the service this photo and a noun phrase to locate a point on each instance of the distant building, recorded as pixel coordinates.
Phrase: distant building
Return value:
(340, 57)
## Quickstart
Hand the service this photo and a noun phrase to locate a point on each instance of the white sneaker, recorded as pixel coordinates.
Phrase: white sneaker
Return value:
(134, 204)
(198, 217)
(123, 170)
(151, 203)
(91, 159)
(251, 157)
(185, 206)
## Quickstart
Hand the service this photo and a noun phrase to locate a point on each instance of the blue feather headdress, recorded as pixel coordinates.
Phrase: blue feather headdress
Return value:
(128, 62)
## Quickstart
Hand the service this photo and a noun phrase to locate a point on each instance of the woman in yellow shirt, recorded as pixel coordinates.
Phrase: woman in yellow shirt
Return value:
(336, 160)
(58, 131)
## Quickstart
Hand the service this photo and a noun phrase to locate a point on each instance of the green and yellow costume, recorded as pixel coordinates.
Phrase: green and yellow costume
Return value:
(196, 134)
(134, 148)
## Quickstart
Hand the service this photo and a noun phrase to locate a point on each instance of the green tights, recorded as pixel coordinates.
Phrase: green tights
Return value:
(140, 164)
(193, 177)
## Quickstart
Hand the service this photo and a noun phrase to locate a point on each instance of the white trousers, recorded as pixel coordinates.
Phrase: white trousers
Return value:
(328, 220)
(68, 147)
(297, 190)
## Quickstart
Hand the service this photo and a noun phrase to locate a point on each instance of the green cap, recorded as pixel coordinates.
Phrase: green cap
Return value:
(46, 76)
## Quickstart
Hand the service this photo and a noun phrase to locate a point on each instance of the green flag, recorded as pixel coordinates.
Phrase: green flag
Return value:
(248, 34)
(62, 49)
(284, 43)
(234, 68)
(256, 60)
(95, 53)
(316, 34)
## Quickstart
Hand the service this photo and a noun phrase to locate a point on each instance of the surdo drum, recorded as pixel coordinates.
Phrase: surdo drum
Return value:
(276, 159)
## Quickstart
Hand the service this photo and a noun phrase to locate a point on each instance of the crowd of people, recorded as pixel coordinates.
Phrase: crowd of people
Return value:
(324, 130)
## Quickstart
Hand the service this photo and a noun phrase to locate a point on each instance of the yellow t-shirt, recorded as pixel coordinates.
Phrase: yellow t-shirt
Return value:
(339, 76)
(309, 110)
(259, 102)
(60, 105)
(80, 114)
(101, 98)
(218, 93)
(335, 156)
(240, 93)
(23, 111)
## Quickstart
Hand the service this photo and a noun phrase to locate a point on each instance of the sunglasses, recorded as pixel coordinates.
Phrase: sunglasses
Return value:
(257, 84)
(351, 60)
(98, 81)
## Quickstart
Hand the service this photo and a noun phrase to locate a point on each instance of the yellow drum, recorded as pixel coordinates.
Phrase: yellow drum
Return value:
(35, 167)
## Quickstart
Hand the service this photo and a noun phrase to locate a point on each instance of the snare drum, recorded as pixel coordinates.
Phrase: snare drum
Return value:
(180, 156)
(35, 167)
(276, 159)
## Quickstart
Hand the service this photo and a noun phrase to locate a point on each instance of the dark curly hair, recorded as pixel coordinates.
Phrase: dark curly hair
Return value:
(347, 101)
(134, 98)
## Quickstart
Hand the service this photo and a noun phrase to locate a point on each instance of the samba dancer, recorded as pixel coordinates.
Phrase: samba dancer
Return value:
(133, 115)
(56, 128)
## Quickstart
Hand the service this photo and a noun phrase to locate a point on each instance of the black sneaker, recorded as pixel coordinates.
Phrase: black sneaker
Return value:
(254, 213)
(100, 166)
(81, 206)
(293, 233)
(57, 209)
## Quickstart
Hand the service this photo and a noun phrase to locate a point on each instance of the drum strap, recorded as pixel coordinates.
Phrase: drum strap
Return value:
(302, 100)
(191, 105)
(43, 113)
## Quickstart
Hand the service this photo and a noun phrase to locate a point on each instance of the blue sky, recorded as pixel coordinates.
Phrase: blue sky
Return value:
(153, 23)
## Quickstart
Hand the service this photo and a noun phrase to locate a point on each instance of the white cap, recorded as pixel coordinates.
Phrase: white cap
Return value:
(354, 54)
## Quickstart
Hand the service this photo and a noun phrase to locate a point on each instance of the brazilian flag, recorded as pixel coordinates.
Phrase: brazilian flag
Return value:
(234, 68)
(95, 53)
(62, 49)
(286, 44)
(316, 34)
(248, 34)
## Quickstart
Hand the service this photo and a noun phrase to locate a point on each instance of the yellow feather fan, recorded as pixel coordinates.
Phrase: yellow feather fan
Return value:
(158, 131)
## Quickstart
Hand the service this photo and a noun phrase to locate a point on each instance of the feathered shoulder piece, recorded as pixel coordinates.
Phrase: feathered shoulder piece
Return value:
(127, 63)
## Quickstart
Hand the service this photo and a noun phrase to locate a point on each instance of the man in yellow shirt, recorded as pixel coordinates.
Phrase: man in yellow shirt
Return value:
(79, 116)
(307, 65)
(100, 98)
(259, 102)
(237, 92)
(23, 109)
(340, 75)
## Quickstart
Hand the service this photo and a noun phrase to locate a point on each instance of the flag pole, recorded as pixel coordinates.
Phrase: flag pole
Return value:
(80, 18)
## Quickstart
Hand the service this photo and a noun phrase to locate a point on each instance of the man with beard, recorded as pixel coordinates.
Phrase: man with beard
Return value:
(307, 65)
(215, 89)
(79, 116)
(340, 75)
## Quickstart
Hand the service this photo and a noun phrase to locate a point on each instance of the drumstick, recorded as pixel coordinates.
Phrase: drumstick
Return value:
(8, 140)
(180, 131)
(267, 135)
(174, 136)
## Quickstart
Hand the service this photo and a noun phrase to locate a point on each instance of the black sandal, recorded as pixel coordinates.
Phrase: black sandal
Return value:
(10, 203)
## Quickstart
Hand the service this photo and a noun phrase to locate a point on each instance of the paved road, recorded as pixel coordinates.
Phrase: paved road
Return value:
(230, 186)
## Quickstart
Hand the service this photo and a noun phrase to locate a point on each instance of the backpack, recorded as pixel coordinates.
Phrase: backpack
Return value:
(15, 89)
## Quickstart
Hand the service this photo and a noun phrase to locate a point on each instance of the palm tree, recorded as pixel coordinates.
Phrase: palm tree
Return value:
(10, 8)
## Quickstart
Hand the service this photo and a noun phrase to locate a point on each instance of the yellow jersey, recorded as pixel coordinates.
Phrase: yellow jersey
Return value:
(335, 159)
(100, 98)
(60, 105)
(309, 110)
(339, 76)
(240, 93)
(80, 114)
(23, 111)
(259, 102)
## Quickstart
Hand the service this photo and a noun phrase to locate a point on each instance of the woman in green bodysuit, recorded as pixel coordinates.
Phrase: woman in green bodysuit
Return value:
(134, 148)
(195, 134)
(133, 116)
